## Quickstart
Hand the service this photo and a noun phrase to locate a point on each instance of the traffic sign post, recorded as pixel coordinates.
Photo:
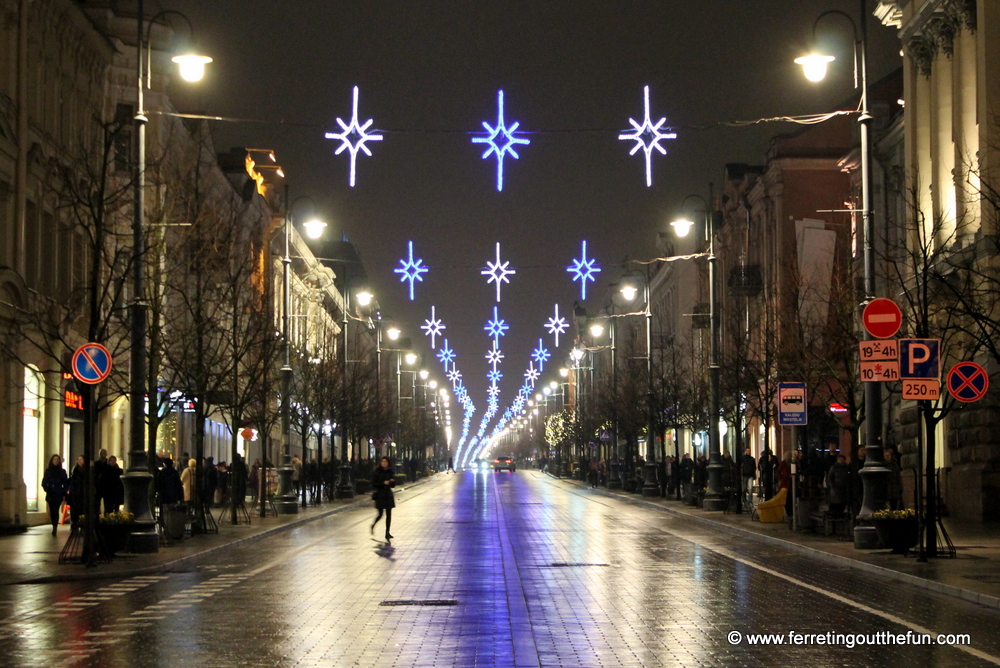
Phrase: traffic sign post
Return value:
(968, 382)
(882, 318)
(91, 363)
(793, 409)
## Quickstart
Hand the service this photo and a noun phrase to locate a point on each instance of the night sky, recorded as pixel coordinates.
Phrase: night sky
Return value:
(572, 74)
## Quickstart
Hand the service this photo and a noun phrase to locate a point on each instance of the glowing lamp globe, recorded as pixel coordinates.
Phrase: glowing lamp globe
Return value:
(364, 298)
(629, 292)
(597, 329)
(564, 372)
(314, 228)
(682, 227)
(393, 333)
(191, 66)
(814, 65)
(411, 359)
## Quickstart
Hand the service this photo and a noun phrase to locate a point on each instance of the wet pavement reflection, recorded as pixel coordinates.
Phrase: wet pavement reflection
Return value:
(489, 569)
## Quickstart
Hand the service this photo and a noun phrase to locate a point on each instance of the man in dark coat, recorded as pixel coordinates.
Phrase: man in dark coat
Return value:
(168, 484)
(210, 481)
(838, 484)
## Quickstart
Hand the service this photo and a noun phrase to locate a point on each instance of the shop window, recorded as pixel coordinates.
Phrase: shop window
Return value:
(32, 422)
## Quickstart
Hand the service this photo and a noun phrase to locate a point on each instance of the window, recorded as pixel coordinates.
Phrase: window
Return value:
(31, 245)
(124, 114)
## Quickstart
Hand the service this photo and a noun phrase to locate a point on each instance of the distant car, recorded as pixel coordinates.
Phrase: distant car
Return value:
(480, 465)
(504, 464)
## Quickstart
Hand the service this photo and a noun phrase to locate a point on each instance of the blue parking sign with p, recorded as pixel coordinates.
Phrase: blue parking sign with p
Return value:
(920, 358)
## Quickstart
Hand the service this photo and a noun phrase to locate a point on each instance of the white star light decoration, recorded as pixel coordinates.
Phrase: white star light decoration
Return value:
(557, 325)
(583, 270)
(531, 375)
(411, 270)
(454, 376)
(496, 327)
(353, 136)
(493, 391)
(541, 355)
(497, 272)
(494, 356)
(432, 327)
(647, 136)
(501, 141)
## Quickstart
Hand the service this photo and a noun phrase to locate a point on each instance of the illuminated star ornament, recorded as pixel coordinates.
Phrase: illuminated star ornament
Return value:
(432, 327)
(557, 325)
(540, 355)
(647, 136)
(531, 375)
(494, 356)
(496, 327)
(446, 355)
(494, 376)
(501, 141)
(497, 272)
(353, 136)
(583, 270)
(454, 376)
(411, 270)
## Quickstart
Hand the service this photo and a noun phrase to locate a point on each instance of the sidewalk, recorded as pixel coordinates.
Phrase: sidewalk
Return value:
(33, 557)
(974, 575)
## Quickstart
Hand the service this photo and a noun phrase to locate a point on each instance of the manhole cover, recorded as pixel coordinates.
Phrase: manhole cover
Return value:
(572, 564)
(426, 601)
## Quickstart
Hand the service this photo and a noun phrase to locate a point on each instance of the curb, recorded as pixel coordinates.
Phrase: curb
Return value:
(880, 571)
(168, 566)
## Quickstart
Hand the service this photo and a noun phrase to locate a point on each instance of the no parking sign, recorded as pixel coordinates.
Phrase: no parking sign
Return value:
(968, 382)
(91, 363)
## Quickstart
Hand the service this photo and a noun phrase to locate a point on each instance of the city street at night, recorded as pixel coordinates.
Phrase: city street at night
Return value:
(522, 570)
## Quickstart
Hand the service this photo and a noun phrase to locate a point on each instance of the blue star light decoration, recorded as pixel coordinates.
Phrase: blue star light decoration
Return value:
(583, 270)
(494, 376)
(411, 270)
(497, 272)
(446, 355)
(557, 325)
(432, 327)
(531, 375)
(353, 136)
(494, 356)
(501, 141)
(541, 355)
(496, 327)
(647, 136)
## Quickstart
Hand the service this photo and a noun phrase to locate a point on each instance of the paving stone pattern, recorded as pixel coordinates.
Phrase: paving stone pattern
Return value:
(545, 574)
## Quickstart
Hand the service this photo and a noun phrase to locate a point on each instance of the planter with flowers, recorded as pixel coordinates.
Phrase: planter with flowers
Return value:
(113, 530)
(897, 529)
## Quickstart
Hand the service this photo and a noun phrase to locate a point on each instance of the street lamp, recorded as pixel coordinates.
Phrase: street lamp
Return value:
(285, 500)
(715, 498)
(142, 463)
(629, 292)
(874, 474)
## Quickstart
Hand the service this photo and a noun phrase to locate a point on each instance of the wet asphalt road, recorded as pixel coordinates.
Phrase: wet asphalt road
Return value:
(491, 569)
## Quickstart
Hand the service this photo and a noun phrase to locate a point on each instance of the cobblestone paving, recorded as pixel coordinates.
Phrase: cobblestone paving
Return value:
(543, 575)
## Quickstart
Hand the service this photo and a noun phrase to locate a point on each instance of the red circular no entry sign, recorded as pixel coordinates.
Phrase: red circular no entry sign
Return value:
(882, 318)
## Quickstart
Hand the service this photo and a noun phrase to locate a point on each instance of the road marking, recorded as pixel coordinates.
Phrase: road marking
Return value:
(888, 616)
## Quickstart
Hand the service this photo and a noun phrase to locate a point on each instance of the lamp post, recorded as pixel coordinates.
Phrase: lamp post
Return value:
(142, 463)
(874, 474)
(715, 498)
(629, 293)
(285, 500)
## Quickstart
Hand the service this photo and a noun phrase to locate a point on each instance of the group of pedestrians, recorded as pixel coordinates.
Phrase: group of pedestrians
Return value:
(62, 488)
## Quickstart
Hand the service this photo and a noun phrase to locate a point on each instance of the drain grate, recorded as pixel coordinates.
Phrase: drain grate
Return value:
(418, 601)
(573, 564)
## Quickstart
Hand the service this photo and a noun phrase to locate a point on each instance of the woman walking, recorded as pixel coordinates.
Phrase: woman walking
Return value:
(383, 480)
(55, 482)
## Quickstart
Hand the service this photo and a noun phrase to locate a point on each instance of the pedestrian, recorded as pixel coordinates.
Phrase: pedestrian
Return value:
(187, 479)
(383, 480)
(594, 473)
(895, 495)
(100, 464)
(451, 464)
(296, 473)
(785, 481)
(838, 481)
(210, 481)
(114, 490)
(748, 471)
(254, 481)
(766, 469)
(55, 482)
(77, 493)
(238, 481)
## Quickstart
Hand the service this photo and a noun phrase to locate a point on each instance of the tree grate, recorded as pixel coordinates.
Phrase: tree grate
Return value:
(573, 564)
(425, 601)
